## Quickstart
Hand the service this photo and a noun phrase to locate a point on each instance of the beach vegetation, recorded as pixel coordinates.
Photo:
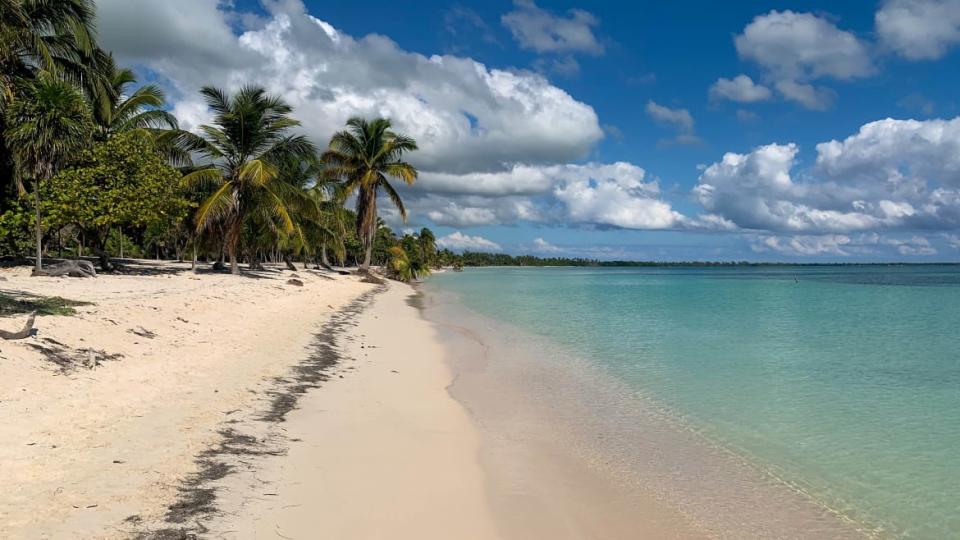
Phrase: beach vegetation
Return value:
(248, 142)
(363, 158)
(121, 182)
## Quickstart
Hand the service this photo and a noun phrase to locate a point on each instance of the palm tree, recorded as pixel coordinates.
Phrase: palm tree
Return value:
(428, 246)
(363, 156)
(247, 144)
(55, 36)
(117, 111)
(50, 124)
(52, 36)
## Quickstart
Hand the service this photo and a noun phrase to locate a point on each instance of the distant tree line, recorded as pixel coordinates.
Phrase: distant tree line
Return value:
(472, 258)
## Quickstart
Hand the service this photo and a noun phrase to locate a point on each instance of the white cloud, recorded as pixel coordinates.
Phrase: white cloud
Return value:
(542, 246)
(614, 195)
(541, 31)
(803, 46)
(919, 29)
(466, 116)
(457, 241)
(832, 244)
(681, 119)
(517, 180)
(891, 175)
(589, 194)
(899, 151)
(844, 245)
(794, 49)
(740, 88)
(915, 245)
(817, 98)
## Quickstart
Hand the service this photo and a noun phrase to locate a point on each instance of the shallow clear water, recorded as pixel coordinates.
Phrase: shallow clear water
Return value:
(843, 381)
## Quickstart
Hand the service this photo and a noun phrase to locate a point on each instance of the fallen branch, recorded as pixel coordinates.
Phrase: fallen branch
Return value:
(26, 332)
(68, 268)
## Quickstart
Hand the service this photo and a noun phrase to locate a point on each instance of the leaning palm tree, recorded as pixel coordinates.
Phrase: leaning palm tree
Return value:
(246, 145)
(50, 123)
(362, 157)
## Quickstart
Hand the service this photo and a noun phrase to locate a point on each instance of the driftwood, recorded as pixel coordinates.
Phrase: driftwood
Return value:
(68, 268)
(295, 282)
(26, 332)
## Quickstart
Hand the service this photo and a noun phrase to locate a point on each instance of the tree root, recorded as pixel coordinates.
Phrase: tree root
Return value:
(26, 332)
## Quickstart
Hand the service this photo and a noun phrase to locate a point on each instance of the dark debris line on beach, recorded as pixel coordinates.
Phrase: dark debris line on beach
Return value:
(197, 494)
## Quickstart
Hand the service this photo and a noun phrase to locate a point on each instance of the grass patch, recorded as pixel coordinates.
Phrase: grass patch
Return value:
(11, 305)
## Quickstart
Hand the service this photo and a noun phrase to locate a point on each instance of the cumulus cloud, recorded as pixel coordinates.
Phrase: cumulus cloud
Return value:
(919, 29)
(740, 88)
(457, 241)
(466, 116)
(795, 49)
(891, 175)
(614, 195)
(474, 211)
(803, 46)
(541, 31)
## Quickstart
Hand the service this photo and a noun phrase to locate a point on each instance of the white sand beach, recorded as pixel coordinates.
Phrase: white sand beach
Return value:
(82, 450)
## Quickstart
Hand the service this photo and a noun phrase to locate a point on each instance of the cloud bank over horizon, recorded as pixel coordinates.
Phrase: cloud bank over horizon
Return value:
(502, 146)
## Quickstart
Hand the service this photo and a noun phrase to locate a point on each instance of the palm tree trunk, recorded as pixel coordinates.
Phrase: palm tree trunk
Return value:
(323, 254)
(369, 220)
(36, 202)
(234, 267)
(367, 254)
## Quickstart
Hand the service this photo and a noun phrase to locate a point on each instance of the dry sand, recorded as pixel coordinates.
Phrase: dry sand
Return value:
(82, 450)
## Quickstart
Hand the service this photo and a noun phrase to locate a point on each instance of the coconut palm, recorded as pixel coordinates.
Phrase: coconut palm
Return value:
(55, 36)
(50, 124)
(363, 157)
(116, 110)
(247, 144)
(52, 36)
(428, 246)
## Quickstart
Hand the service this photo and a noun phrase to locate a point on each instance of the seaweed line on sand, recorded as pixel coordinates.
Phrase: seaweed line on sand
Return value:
(197, 493)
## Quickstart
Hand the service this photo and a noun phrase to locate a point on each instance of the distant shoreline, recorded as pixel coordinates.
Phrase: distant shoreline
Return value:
(572, 263)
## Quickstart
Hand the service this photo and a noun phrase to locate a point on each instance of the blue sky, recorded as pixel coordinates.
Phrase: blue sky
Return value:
(600, 129)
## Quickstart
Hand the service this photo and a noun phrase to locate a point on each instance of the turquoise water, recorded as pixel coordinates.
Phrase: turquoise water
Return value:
(844, 381)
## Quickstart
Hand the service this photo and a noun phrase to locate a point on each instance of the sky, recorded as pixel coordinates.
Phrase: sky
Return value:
(764, 131)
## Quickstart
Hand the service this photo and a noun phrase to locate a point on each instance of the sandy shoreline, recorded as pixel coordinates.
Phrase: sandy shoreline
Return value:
(101, 453)
(230, 407)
